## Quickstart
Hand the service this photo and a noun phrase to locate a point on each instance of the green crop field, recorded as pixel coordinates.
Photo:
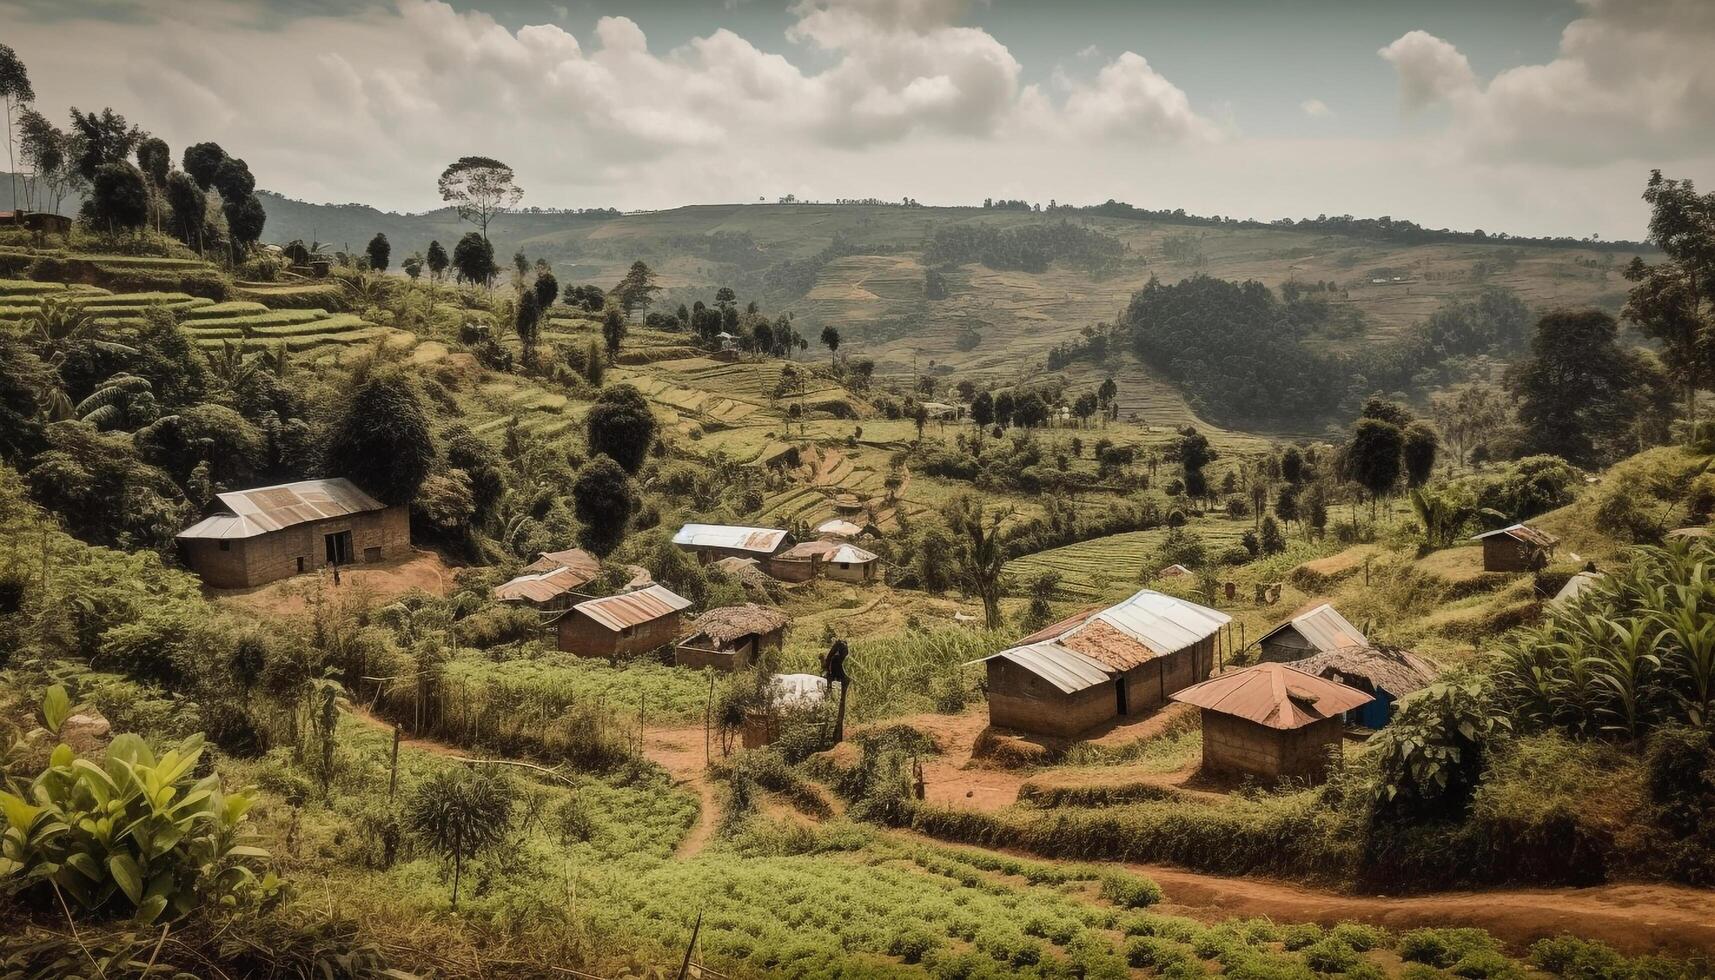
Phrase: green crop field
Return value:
(1114, 566)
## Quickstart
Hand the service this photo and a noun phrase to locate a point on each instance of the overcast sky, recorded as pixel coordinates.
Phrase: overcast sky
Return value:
(1529, 116)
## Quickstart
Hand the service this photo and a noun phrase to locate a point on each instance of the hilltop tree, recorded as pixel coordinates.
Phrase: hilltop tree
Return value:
(831, 340)
(16, 91)
(437, 261)
(118, 197)
(603, 498)
(621, 426)
(979, 553)
(1373, 458)
(613, 331)
(380, 252)
(155, 159)
(202, 161)
(48, 152)
(1669, 301)
(982, 410)
(245, 221)
(637, 290)
(1418, 453)
(473, 259)
(101, 139)
(480, 189)
(380, 437)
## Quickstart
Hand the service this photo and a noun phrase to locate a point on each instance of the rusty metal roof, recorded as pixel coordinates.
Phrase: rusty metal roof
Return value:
(576, 559)
(266, 509)
(763, 540)
(1324, 629)
(1522, 532)
(617, 612)
(1068, 670)
(1162, 623)
(1274, 695)
(541, 586)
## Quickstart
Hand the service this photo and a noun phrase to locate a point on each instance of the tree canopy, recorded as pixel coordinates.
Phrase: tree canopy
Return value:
(480, 189)
(380, 437)
(621, 426)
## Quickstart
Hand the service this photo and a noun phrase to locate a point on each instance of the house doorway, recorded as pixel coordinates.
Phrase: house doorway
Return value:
(338, 547)
(1119, 695)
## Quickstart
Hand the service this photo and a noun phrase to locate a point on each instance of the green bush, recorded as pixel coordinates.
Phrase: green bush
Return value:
(1330, 955)
(1443, 947)
(1300, 935)
(1361, 936)
(912, 943)
(1130, 891)
(1151, 951)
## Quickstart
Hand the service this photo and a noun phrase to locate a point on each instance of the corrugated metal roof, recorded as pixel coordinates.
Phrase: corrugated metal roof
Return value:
(1521, 532)
(1161, 622)
(851, 555)
(839, 526)
(540, 586)
(616, 612)
(1576, 585)
(576, 559)
(765, 540)
(1274, 695)
(788, 689)
(1324, 629)
(1068, 670)
(265, 509)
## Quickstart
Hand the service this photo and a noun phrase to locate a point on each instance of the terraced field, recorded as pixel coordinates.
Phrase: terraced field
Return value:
(1114, 566)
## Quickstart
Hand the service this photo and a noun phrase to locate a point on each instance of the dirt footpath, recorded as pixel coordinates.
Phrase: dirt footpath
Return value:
(681, 752)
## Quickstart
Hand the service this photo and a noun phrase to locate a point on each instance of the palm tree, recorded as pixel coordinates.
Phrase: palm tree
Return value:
(60, 325)
(461, 812)
(231, 367)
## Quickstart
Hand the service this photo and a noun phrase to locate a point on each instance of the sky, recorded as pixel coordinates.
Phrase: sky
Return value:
(1526, 116)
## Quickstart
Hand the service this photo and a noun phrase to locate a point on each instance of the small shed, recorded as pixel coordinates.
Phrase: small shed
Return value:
(1271, 721)
(622, 625)
(1383, 672)
(271, 533)
(1174, 570)
(750, 576)
(40, 222)
(731, 637)
(712, 542)
(785, 692)
(551, 582)
(1321, 630)
(1102, 664)
(836, 560)
(1519, 548)
(849, 563)
(839, 527)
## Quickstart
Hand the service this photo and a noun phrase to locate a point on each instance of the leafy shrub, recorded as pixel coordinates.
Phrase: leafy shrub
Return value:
(498, 625)
(912, 943)
(1330, 955)
(135, 834)
(1443, 947)
(1484, 964)
(1130, 891)
(1300, 935)
(1361, 936)
(1152, 951)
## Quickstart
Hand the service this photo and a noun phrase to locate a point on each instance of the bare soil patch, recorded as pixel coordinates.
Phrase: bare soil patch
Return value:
(372, 584)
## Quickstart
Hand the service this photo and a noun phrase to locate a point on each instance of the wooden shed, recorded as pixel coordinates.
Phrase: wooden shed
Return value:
(1102, 664)
(551, 582)
(1321, 630)
(622, 625)
(1385, 673)
(731, 637)
(1271, 721)
(712, 542)
(272, 533)
(1519, 548)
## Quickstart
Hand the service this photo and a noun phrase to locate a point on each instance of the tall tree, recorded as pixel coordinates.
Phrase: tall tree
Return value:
(380, 253)
(1373, 457)
(613, 331)
(621, 426)
(1574, 388)
(380, 438)
(1418, 453)
(101, 139)
(437, 260)
(831, 340)
(1671, 300)
(202, 161)
(480, 189)
(47, 151)
(527, 321)
(979, 553)
(603, 498)
(637, 290)
(16, 91)
(1469, 415)
(982, 410)
(547, 289)
(118, 197)
(155, 160)
(1194, 454)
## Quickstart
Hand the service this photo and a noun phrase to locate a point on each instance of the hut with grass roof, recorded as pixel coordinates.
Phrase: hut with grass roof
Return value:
(732, 637)
(1271, 722)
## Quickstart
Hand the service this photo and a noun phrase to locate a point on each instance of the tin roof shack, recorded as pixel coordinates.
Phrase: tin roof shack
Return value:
(272, 533)
(1102, 664)
(622, 625)
(1321, 630)
(835, 560)
(551, 582)
(1385, 673)
(1520, 548)
(712, 542)
(1271, 721)
(732, 637)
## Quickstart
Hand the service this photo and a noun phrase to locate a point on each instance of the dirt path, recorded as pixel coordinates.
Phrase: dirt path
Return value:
(681, 752)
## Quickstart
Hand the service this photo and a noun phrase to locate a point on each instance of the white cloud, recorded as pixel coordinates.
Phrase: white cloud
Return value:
(1315, 108)
(1129, 99)
(1633, 79)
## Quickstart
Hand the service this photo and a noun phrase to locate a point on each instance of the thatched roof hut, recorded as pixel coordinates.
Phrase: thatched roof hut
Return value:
(1386, 673)
(731, 637)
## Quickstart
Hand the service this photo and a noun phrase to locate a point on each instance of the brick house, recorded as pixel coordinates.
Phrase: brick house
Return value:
(1271, 721)
(622, 625)
(271, 533)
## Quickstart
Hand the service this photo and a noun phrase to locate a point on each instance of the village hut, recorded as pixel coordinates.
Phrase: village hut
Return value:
(731, 637)
(839, 527)
(1519, 548)
(272, 533)
(836, 560)
(622, 625)
(849, 504)
(1102, 664)
(551, 582)
(785, 693)
(1271, 721)
(712, 542)
(1385, 673)
(1174, 570)
(1321, 630)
